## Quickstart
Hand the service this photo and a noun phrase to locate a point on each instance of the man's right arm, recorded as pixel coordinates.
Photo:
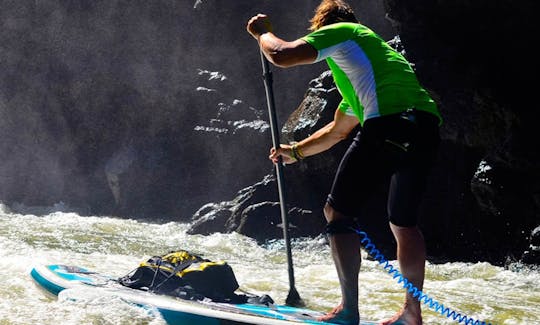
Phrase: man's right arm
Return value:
(286, 54)
(278, 51)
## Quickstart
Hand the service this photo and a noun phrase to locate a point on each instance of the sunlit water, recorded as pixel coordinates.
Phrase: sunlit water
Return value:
(116, 246)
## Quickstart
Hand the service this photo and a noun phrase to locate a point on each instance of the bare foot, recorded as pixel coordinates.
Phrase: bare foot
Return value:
(404, 317)
(340, 315)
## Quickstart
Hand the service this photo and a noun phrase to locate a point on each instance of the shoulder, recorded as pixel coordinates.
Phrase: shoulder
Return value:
(333, 34)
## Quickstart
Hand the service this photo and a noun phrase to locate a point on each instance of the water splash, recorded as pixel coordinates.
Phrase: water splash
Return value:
(212, 75)
(482, 172)
(197, 3)
(115, 246)
(421, 296)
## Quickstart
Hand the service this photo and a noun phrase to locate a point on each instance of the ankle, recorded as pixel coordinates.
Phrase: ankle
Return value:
(413, 308)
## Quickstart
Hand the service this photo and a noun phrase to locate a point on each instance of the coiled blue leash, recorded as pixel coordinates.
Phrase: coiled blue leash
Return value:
(422, 297)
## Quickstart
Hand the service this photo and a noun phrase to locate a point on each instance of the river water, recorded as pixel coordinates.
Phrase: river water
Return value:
(115, 246)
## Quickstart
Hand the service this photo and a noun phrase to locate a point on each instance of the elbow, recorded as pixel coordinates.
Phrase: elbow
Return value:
(341, 136)
(286, 54)
(344, 136)
(280, 59)
(336, 134)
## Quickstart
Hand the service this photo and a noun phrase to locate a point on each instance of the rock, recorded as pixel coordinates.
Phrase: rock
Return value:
(261, 221)
(210, 218)
(255, 212)
(532, 254)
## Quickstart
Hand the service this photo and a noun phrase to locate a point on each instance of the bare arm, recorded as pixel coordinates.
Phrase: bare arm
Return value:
(278, 51)
(287, 54)
(323, 139)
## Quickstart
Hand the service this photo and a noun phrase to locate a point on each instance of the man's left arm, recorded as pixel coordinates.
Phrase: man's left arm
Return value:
(322, 140)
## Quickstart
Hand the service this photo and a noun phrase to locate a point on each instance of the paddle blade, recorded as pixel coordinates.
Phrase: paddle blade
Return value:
(293, 299)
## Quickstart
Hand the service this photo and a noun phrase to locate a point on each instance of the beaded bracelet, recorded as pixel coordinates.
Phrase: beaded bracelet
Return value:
(297, 154)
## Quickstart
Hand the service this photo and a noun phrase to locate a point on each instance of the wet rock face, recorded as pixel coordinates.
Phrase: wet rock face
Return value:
(140, 108)
(255, 212)
(485, 99)
(482, 200)
(532, 254)
(134, 108)
(155, 108)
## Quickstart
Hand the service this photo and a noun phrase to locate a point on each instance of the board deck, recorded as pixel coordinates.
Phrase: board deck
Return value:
(56, 278)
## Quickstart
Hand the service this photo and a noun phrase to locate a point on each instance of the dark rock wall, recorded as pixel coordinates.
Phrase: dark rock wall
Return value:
(482, 201)
(147, 108)
(472, 56)
(155, 108)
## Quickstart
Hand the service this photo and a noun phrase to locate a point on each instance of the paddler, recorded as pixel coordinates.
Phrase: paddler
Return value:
(397, 142)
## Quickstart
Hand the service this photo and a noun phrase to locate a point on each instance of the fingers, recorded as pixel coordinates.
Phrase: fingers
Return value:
(274, 155)
(258, 25)
(259, 16)
(283, 153)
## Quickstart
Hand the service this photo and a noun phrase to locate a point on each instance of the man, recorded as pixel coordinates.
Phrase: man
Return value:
(398, 141)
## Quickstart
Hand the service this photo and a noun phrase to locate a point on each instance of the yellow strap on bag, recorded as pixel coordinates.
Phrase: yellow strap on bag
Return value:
(199, 267)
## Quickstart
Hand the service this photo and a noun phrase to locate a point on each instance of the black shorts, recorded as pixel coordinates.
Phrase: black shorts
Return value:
(399, 148)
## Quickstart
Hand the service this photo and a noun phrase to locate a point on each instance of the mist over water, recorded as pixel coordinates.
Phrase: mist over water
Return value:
(116, 246)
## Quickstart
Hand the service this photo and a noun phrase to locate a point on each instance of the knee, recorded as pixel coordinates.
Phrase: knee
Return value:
(332, 214)
(341, 226)
(403, 220)
(329, 213)
(338, 223)
(406, 233)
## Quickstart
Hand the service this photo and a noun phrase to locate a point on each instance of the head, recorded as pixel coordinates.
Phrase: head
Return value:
(330, 12)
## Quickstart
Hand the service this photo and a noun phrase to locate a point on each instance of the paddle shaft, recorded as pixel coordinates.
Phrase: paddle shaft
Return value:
(293, 299)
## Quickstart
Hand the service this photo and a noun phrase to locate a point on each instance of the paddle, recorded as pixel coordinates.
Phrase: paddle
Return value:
(293, 298)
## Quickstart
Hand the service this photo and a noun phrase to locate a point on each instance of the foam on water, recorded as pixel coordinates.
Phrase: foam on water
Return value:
(116, 246)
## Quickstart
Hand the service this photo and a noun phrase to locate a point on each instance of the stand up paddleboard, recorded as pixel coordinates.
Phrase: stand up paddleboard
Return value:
(56, 278)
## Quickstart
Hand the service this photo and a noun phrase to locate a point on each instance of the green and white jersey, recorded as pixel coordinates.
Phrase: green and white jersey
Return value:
(373, 79)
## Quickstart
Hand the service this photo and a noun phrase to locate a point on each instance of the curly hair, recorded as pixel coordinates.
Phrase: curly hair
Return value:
(330, 12)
